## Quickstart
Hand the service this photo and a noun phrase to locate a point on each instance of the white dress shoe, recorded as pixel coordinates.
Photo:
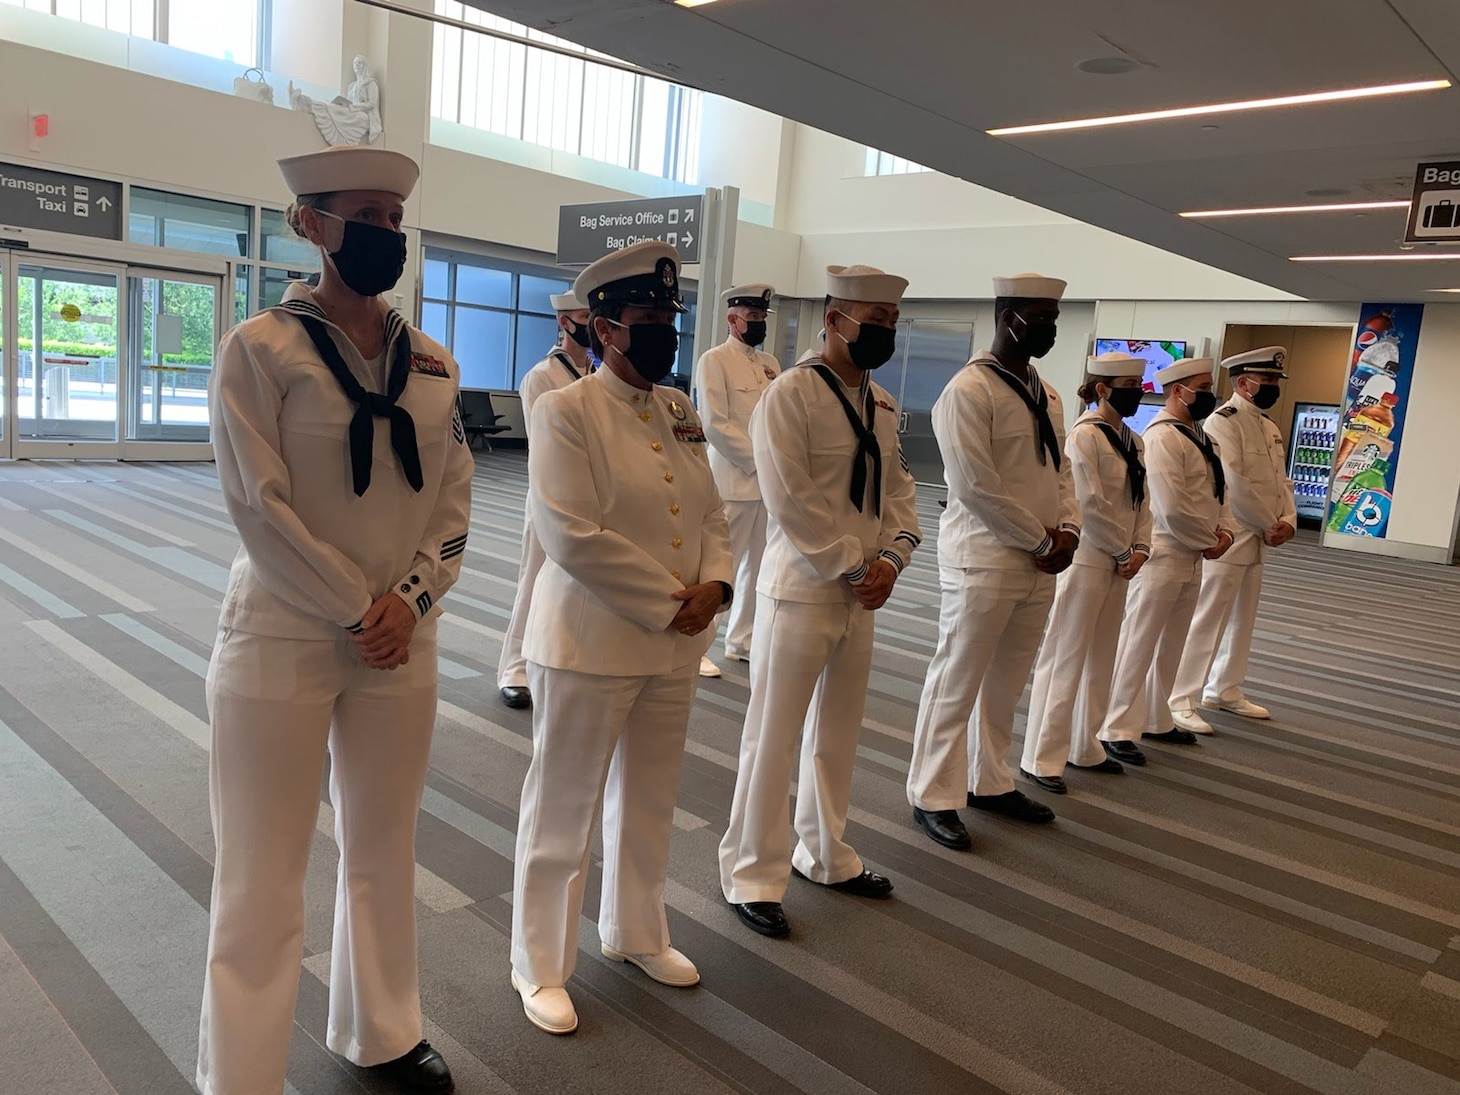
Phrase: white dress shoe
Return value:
(668, 967)
(1240, 706)
(737, 655)
(707, 667)
(548, 1009)
(1190, 720)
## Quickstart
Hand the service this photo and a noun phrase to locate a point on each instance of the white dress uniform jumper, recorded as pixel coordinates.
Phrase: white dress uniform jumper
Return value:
(1008, 481)
(1214, 664)
(813, 653)
(729, 382)
(1071, 690)
(627, 512)
(1188, 508)
(551, 373)
(286, 684)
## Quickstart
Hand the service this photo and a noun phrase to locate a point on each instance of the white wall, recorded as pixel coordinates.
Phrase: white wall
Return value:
(1195, 320)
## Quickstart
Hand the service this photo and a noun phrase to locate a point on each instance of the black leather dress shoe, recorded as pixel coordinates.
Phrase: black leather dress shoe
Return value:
(945, 827)
(517, 697)
(866, 884)
(422, 1071)
(1174, 736)
(1049, 783)
(1114, 767)
(1014, 804)
(766, 917)
(1126, 752)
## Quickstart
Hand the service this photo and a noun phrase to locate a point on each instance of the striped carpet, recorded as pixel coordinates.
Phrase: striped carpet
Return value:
(1276, 911)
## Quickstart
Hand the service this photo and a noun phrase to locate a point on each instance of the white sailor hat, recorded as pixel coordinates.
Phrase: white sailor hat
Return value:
(1114, 363)
(566, 302)
(1266, 363)
(1030, 287)
(756, 295)
(864, 283)
(646, 275)
(350, 167)
(1185, 369)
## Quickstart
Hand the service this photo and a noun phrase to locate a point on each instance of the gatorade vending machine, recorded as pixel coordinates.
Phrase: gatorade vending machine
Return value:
(1311, 445)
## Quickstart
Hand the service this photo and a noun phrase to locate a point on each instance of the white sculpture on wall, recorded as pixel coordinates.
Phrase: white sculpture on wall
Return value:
(352, 118)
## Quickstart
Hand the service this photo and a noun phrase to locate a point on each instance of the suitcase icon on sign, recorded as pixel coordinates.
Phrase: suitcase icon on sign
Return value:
(1440, 215)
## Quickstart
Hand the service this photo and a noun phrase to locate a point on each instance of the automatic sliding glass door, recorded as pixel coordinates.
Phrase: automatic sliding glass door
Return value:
(173, 331)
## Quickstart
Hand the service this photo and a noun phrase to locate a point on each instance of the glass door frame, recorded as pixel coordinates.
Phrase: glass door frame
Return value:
(24, 246)
(137, 373)
(57, 448)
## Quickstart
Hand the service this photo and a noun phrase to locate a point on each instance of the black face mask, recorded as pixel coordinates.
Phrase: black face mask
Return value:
(1126, 401)
(1038, 338)
(1204, 404)
(579, 334)
(874, 345)
(754, 333)
(1267, 396)
(371, 259)
(653, 349)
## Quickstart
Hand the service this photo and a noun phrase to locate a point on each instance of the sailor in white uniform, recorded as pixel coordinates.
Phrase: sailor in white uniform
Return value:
(1011, 525)
(843, 525)
(729, 382)
(568, 361)
(1071, 689)
(1264, 509)
(344, 465)
(1190, 522)
(638, 564)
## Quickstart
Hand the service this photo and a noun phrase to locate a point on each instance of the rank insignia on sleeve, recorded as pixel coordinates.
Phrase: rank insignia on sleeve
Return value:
(882, 404)
(690, 433)
(423, 363)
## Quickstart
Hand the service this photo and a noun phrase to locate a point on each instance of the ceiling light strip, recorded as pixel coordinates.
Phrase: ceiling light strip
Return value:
(1263, 211)
(1447, 257)
(1225, 108)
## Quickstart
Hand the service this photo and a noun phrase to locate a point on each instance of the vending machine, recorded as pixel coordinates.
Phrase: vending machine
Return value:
(1310, 458)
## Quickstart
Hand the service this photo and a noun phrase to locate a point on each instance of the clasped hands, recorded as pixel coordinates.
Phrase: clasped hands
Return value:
(384, 642)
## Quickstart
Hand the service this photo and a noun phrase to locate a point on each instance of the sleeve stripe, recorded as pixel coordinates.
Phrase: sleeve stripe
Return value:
(454, 541)
(909, 537)
(453, 553)
(1045, 546)
(892, 557)
(855, 576)
(423, 603)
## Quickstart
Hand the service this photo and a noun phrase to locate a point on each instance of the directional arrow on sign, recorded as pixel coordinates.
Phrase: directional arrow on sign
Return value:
(689, 215)
(104, 202)
(688, 239)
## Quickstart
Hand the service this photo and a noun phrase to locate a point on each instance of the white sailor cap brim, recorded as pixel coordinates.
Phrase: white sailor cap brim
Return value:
(350, 167)
(566, 302)
(1030, 287)
(866, 284)
(1185, 369)
(1267, 362)
(1114, 363)
(645, 275)
(756, 295)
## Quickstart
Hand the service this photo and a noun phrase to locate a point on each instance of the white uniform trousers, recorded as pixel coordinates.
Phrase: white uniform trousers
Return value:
(1220, 643)
(276, 706)
(989, 625)
(747, 548)
(808, 675)
(512, 668)
(1071, 690)
(597, 740)
(1158, 612)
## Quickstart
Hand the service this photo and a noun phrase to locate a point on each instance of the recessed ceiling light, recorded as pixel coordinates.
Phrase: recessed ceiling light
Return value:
(692, 3)
(1262, 211)
(1108, 66)
(1428, 257)
(1224, 108)
(1442, 290)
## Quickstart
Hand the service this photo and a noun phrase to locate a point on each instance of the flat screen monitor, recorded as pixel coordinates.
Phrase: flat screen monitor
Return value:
(1142, 418)
(1157, 355)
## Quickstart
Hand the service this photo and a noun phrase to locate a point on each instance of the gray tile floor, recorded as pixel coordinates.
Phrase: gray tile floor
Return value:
(1276, 911)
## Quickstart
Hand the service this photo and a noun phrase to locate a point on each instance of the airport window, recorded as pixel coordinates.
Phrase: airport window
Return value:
(228, 29)
(564, 103)
(885, 163)
(187, 223)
